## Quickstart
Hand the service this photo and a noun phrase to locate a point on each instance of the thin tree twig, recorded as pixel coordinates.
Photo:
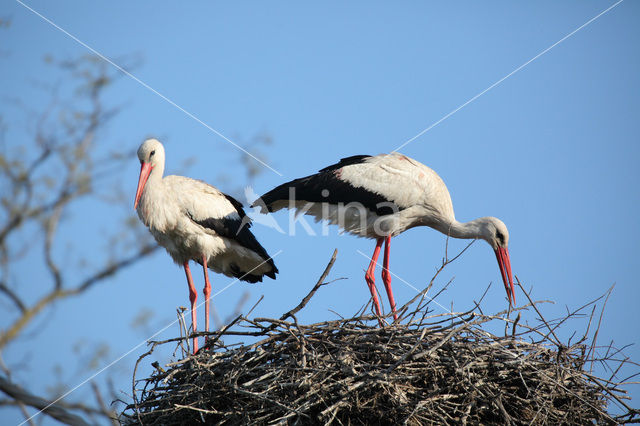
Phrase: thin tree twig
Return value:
(315, 288)
(595, 334)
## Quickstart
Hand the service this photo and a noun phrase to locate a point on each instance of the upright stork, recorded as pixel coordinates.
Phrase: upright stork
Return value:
(380, 197)
(195, 221)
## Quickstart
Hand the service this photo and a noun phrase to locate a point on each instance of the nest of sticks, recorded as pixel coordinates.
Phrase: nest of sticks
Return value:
(426, 369)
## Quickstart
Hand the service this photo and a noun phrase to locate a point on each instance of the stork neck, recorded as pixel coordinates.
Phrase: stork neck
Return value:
(152, 193)
(155, 178)
(465, 230)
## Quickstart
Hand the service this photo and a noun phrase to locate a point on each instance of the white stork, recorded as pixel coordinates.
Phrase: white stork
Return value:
(195, 221)
(380, 197)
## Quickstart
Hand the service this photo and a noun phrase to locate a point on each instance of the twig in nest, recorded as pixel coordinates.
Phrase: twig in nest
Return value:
(315, 288)
(595, 335)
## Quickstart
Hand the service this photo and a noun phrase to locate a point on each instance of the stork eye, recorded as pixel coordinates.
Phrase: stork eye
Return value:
(152, 152)
(500, 237)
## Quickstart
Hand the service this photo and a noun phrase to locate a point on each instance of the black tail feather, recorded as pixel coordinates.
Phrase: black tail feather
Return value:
(327, 186)
(310, 188)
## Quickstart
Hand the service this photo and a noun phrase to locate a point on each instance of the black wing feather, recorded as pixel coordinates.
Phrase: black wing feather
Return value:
(327, 187)
(238, 230)
(238, 206)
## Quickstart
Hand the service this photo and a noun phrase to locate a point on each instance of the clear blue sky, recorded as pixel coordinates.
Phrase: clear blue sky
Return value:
(553, 150)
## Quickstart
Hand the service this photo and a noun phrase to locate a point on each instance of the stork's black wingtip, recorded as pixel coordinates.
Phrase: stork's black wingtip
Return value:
(272, 274)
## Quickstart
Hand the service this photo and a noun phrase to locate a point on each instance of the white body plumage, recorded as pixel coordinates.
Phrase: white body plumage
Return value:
(170, 209)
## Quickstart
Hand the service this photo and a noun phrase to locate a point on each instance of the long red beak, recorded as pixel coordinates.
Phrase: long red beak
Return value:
(145, 171)
(502, 254)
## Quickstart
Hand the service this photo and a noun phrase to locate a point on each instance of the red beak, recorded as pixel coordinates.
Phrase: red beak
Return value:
(145, 171)
(502, 254)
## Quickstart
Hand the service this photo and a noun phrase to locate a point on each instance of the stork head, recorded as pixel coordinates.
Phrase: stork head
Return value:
(151, 156)
(495, 232)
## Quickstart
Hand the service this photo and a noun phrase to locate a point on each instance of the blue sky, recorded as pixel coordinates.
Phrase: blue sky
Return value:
(552, 150)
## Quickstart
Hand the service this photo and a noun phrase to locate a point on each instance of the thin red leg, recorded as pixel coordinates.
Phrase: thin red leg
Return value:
(370, 277)
(207, 292)
(386, 277)
(193, 296)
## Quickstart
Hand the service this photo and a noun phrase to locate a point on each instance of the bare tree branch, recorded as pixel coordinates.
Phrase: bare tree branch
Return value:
(30, 313)
(13, 296)
(53, 410)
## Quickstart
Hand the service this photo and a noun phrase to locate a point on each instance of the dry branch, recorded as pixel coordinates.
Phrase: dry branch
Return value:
(53, 410)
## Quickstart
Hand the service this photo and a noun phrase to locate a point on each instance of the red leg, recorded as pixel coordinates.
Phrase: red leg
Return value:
(370, 277)
(207, 292)
(386, 277)
(193, 296)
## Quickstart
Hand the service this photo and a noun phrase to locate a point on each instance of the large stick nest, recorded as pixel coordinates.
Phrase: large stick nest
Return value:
(426, 369)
